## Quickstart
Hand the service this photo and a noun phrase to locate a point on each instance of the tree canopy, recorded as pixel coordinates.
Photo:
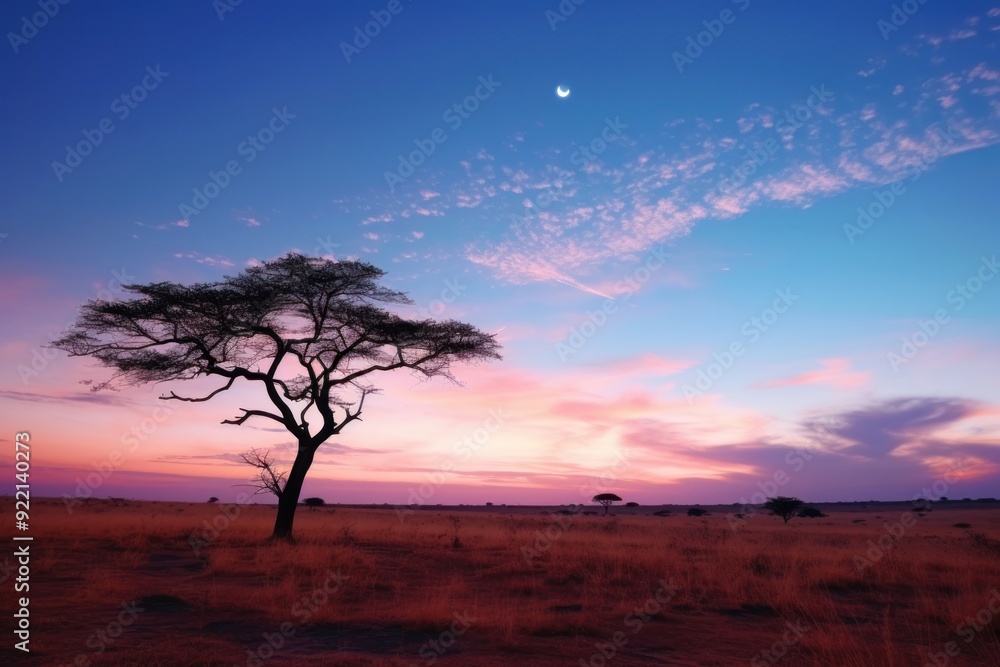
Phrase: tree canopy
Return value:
(783, 506)
(309, 331)
(606, 499)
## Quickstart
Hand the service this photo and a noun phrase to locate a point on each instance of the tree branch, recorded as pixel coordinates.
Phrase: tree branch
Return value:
(269, 481)
(247, 414)
(175, 397)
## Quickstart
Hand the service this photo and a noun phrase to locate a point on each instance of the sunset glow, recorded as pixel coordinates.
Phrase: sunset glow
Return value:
(704, 270)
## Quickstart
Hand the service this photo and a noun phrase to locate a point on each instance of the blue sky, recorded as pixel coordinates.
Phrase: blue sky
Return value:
(530, 216)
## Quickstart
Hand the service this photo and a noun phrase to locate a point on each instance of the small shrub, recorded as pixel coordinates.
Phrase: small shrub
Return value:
(213, 499)
(810, 513)
(760, 564)
(984, 543)
(631, 504)
(697, 511)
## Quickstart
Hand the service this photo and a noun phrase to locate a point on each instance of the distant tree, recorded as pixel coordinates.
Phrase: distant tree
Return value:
(783, 506)
(313, 503)
(697, 511)
(213, 499)
(966, 500)
(943, 499)
(631, 504)
(810, 513)
(489, 504)
(606, 499)
(325, 325)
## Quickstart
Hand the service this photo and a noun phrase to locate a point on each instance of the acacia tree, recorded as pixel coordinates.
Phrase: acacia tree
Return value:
(308, 331)
(313, 503)
(606, 499)
(783, 506)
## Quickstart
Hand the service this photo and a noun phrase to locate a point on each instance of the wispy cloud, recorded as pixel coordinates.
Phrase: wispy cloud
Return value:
(78, 397)
(835, 373)
(209, 260)
(165, 226)
(569, 222)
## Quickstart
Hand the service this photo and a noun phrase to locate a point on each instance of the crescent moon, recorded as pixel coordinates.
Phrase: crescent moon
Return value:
(562, 93)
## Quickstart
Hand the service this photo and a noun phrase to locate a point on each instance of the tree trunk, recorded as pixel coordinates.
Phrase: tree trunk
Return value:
(289, 500)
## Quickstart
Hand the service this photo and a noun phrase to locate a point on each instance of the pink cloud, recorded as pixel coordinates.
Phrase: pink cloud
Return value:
(948, 101)
(205, 259)
(649, 364)
(835, 373)
(804, 183)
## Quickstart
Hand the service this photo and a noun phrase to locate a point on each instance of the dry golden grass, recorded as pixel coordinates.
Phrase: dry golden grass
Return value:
(735, 590)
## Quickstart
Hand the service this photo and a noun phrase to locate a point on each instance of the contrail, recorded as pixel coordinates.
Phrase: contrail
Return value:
(582, 287)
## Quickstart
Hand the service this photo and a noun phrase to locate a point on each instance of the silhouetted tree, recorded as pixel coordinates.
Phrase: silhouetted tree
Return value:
(213, 499)
(606, 499)
(631, 504)
(783, 506)
(697, 511)
(319, 316)
(313, 503)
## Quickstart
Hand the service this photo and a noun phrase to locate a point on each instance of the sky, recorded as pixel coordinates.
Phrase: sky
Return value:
(752, 252)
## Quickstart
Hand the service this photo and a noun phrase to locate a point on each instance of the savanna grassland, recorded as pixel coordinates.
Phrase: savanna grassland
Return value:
(127, 585)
